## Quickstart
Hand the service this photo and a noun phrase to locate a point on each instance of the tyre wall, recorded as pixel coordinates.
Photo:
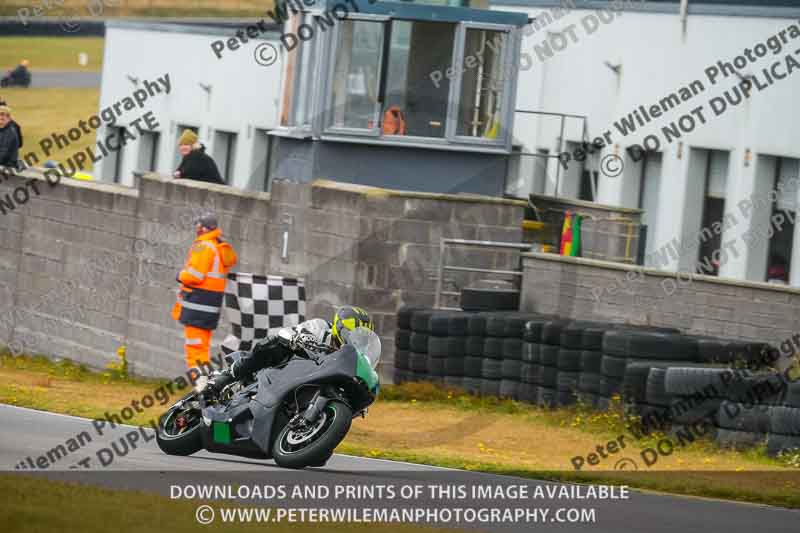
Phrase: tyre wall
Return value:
(670, 381)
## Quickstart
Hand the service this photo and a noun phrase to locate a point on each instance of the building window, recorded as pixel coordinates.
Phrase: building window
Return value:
(578, 180)
(395, 80)
(113, 163)
(297, 102)
(416, 50)
(148, 151)
(779, 256)
(588, 190)
(649, 201)
(539, 181)
(260, 177)
(354, 101)
(483, 83)
(225, 154)
(716, 177)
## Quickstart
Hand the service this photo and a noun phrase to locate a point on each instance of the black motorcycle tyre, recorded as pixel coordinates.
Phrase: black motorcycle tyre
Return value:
(319, 450)
(186, 443)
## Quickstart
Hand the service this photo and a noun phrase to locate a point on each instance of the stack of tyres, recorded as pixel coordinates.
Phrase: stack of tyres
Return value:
(744, 401)
(492, 365)
(446, 347)
(568, 364)
(511, 373)
(735, 354)
(512, 383)
(473, 352)
(748, 413)
(418, 344)
(784, 432)
(548, 359)
(612, 365)
(530, 367)
(402, 343)
(591, 362)
(578, 362)
(661, 405)
(628, 345)
(577, 337)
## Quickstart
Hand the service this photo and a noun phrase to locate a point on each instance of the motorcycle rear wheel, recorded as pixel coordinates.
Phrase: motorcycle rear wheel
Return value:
(175, 442)
(294, 448)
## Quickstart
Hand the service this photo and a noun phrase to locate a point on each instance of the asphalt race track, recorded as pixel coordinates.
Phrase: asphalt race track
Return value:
(70, 79)
(28, 433)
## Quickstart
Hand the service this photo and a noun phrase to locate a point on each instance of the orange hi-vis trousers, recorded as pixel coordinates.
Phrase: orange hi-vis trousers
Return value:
(197, 345)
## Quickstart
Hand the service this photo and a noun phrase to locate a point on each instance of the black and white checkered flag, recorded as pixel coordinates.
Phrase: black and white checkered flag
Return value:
(257, 306)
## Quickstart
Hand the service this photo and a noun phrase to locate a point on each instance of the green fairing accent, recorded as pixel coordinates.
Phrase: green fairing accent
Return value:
(364, 371)
(222, 433)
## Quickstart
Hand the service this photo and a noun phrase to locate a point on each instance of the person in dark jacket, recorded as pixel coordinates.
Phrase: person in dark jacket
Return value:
(196, 164)
(14, 123)
(9, 140)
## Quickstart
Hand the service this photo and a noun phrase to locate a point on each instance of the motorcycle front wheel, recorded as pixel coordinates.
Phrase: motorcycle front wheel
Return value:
(179, 429)
(313, 444)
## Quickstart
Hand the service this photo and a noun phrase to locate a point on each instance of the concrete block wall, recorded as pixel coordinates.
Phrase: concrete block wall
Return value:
(63, 250)
(89, 267)
(597, 290)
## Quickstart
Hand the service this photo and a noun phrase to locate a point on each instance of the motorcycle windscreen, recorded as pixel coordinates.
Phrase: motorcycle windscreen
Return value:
(367, 344)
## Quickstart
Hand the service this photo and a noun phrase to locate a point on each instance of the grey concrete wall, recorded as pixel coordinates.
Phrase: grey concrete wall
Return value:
(62, 253)
(89, 267)
(598, 290)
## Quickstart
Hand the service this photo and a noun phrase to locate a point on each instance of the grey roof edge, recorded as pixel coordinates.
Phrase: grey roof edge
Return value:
(642, 6)
(195, 28)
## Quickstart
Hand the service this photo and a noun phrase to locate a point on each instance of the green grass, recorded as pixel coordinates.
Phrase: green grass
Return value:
(36, 505)
(43, 112)
(51, 53)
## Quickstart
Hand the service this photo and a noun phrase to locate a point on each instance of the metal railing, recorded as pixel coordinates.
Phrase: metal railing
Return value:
(443, 243)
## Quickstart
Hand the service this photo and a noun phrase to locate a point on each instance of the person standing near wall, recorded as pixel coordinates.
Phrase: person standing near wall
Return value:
(202, 289)
(9, 139)
(196, 164)
(14, 124)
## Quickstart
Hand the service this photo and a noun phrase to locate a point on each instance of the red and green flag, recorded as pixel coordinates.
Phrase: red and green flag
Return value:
(571, 235)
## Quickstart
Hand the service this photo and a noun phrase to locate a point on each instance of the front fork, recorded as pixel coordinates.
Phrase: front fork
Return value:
(317, 404)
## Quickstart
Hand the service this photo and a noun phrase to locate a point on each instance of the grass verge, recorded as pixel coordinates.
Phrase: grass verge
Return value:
(43, 112)
(427, 424)
(51, 53)
(37, 505)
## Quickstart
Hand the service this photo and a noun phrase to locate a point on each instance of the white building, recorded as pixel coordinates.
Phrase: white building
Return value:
(230, 102)
(605, 65)
(602, 62)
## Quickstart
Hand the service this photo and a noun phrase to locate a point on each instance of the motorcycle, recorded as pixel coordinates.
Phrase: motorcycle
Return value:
(12, 81)
(295, 414)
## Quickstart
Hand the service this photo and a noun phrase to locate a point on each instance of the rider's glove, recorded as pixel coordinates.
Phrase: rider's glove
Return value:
(220, 381)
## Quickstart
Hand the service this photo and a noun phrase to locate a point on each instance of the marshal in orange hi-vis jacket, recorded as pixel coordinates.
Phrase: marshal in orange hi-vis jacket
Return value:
(202, 289)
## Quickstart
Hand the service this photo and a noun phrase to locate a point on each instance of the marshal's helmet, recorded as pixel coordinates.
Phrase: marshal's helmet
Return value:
(347, 319)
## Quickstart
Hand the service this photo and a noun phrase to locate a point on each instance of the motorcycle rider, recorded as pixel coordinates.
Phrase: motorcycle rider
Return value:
(20, 75)
(272, 352)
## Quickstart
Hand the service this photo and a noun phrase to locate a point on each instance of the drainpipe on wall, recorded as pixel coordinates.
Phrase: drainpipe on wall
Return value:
(684, 15)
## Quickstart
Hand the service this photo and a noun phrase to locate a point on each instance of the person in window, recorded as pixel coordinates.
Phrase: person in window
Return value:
(777, 271)
(196, 164)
